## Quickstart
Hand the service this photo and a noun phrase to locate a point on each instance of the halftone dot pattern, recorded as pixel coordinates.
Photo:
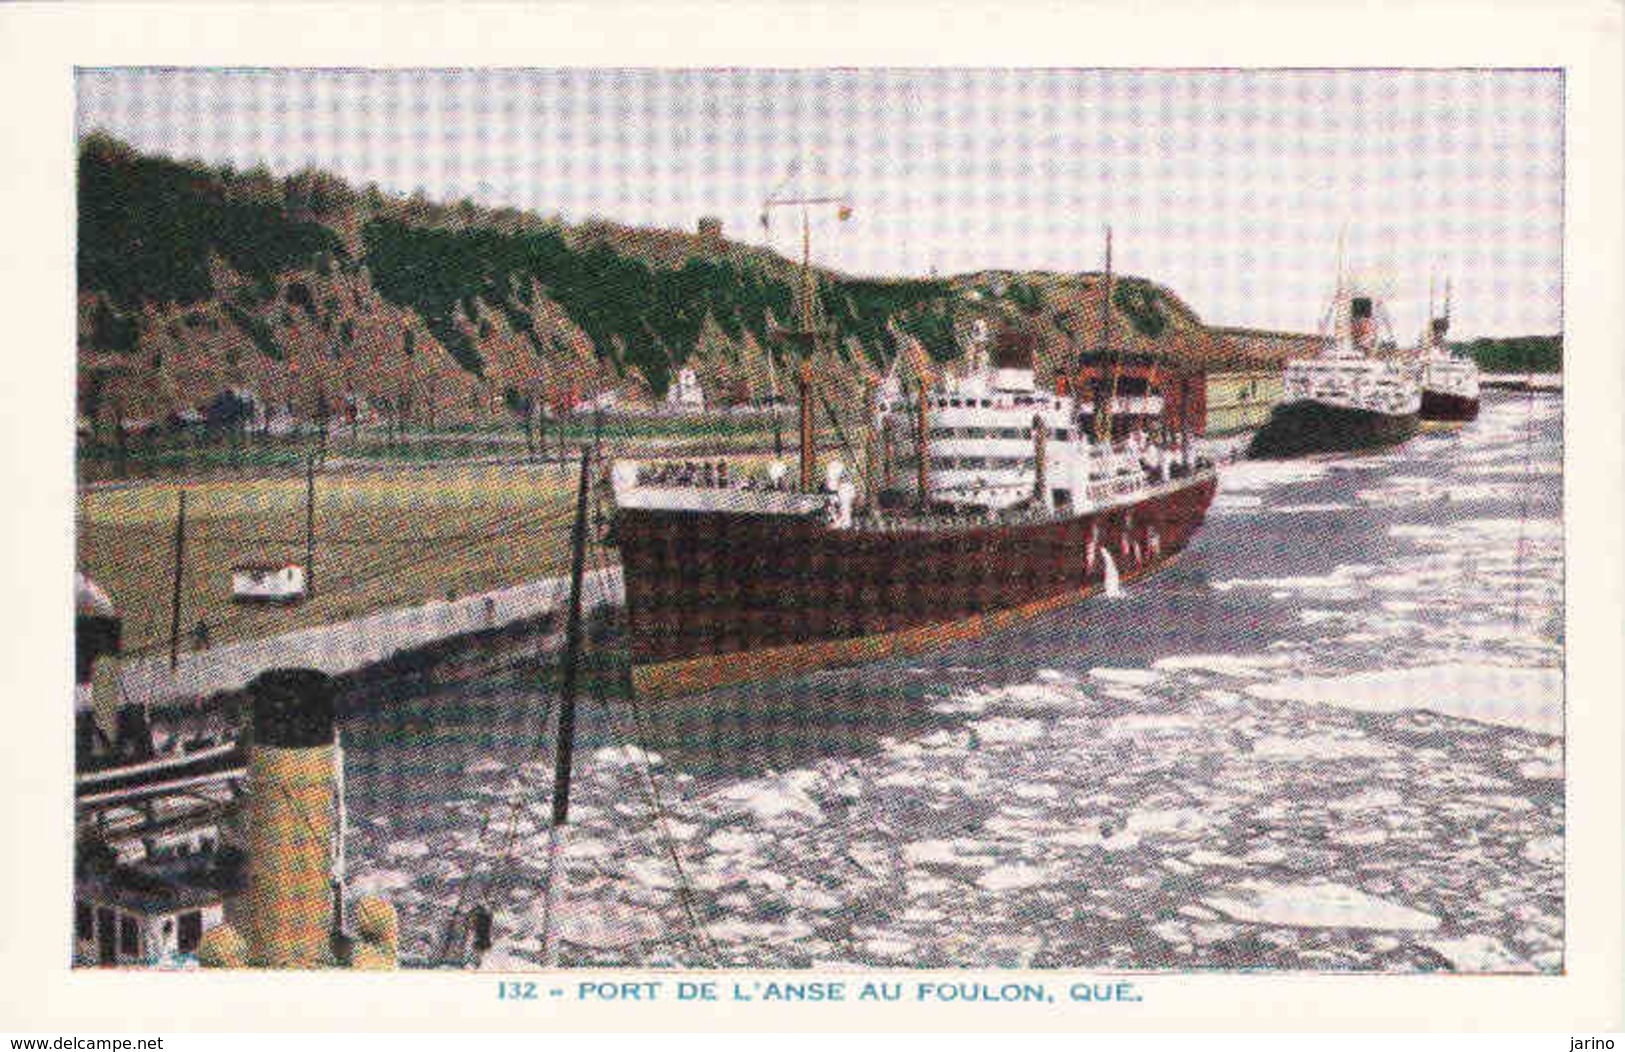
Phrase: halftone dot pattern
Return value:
(1160, 780)
(1228, 185)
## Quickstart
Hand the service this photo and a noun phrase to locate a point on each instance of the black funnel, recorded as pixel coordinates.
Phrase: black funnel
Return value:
(293, 708)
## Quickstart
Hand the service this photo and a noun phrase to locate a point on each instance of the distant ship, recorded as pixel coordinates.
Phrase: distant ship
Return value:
(1449, 380)
(1344, 399)
(985, 500)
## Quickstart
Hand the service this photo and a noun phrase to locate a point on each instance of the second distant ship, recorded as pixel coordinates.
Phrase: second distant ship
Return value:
(1449, 380)
(1345, 399)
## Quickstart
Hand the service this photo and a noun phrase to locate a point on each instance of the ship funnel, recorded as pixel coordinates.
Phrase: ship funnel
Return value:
(1362, 321)
(292, 820)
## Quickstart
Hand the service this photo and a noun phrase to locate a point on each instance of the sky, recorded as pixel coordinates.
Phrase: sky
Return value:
(1229, 186)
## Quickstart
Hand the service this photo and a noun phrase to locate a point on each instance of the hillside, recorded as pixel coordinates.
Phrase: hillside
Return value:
(322, 301)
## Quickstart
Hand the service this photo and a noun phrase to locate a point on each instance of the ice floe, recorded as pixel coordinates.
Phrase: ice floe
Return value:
(1526, 698)
(1367, 800)
(1315, 905)
(1478, 953)
(1149, 724)
(1004, 730)
(770, 801)
(1238, 665)
(1342, 583)
(1234, 502)
(1332, 746)
(1546, 849)
(1014, 875)
(1130, 677)
(1309, 509)
(1183, 822)
(625, 756)
(1248, 476)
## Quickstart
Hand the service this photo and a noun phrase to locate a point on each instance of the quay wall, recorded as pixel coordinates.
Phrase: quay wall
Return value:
(353, 646)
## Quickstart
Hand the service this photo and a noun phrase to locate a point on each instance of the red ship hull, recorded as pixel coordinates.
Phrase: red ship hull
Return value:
(720, 597)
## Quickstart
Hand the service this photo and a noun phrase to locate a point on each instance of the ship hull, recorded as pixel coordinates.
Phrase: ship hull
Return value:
(1442, 407)
(719, 597)
(1303, 427)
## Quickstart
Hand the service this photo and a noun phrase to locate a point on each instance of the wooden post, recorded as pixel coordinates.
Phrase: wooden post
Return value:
(871, 449)
(808, 454)
(885, 452)
(1040, 483)
(564, 747)
(175, 598)
(120, 440)
(310, 526)
(922, 444)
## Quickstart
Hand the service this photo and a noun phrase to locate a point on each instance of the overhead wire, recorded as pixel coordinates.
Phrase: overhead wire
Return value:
(639, 738)
(375, 570)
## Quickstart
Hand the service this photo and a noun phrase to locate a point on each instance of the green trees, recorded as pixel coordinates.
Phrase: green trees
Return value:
(1137, 299)
(1516, 354)
(147, 225)
(148, 228)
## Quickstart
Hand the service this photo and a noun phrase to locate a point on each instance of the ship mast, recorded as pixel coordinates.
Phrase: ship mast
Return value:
(807, 330)
(1103, 414)
(1339, 322)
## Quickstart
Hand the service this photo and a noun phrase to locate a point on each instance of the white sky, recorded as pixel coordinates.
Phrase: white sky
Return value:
(1229, 186)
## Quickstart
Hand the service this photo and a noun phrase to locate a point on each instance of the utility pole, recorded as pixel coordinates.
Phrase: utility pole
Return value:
(922, 446)
(564, 748)
(564, 744)
(310, 525)
(175, 598)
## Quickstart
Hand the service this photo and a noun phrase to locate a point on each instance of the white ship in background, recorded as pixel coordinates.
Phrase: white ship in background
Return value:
(1345, 398)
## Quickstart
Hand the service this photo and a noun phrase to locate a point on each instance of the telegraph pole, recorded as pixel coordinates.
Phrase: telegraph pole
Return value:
(310, 525)
(564, 748)
(175, 598)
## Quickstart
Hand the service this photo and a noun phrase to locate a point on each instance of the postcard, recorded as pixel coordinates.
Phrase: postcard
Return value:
(1004, 537)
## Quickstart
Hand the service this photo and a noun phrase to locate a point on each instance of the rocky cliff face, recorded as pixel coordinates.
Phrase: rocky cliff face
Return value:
(318, 300)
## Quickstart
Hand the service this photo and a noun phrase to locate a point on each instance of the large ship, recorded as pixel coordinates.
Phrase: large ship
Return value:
(985, 500)
(1449, 380)
(1346, 398)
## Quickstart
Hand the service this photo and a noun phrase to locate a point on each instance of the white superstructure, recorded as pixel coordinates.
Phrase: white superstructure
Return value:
(1345, 374)
(1445, 373)
(1352, 382)
(985, 434)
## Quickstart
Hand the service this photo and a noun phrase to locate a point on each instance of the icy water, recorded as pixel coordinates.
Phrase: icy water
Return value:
(1329, 738)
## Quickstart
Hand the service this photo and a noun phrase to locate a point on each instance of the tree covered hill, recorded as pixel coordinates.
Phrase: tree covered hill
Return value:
(1515, 354)
(320, 299)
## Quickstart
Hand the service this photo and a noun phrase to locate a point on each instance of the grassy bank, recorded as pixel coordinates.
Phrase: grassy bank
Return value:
(384, 539)
(168, 455)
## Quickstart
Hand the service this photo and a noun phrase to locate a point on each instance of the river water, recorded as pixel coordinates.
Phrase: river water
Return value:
(1329, 738)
